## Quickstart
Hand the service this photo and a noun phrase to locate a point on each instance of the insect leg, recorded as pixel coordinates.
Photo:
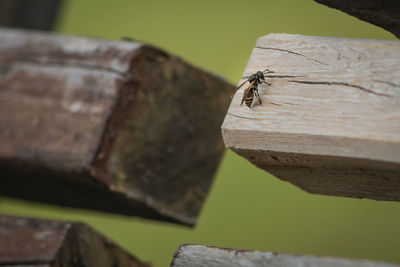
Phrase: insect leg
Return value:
(267, 83)
(257, 95)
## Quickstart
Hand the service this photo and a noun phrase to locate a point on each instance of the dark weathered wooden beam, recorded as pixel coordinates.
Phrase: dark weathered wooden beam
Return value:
(121, 127)
(196, 255)
(33, 14)
(37, 242)
(383, 13)
(330, 120)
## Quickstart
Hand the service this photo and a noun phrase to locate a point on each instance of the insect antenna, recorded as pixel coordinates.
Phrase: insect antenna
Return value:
(267, 71)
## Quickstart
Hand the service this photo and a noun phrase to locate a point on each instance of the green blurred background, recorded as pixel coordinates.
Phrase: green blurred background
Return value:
(247, 208)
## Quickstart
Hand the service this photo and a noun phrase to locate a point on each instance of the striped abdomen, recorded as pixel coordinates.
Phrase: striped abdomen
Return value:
(249, 98)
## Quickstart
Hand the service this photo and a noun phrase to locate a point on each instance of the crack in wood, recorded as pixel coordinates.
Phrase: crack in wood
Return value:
(242, 117)
(389, 83)
(343, 84)
(274, 104)
(125, 75)
(291, 52)
(290, 103)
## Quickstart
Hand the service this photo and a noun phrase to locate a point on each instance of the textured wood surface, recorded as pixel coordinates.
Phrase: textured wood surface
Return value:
(330, 121)
(34, 242)
(198, 256)
(114, 126)
(383, 13)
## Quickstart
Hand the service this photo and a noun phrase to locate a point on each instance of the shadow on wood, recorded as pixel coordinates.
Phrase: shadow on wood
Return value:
(121, 127)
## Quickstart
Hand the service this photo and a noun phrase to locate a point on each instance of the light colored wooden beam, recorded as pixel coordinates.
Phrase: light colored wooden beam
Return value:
(330, 121)
(196, 255)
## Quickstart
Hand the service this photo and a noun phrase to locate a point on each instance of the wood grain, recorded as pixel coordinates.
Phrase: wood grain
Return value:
(114, 126)
(198, 256)
(35, 242)
(330, 121)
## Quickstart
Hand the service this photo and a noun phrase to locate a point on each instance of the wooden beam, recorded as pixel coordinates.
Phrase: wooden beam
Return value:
(35, 242)
(33, 14)
(196, 255)
(330, 121)
(120, 127)
(383, 13)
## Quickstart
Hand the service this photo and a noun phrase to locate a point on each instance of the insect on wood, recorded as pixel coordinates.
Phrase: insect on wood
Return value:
(254, 81)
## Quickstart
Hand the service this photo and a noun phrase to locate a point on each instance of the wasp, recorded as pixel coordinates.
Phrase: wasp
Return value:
(252, 90)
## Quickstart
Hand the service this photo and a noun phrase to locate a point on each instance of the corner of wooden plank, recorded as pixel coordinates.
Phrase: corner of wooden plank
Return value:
(330, 121)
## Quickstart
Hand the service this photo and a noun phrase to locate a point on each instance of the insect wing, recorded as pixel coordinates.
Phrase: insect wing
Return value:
(237, 88)
(246, 92)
